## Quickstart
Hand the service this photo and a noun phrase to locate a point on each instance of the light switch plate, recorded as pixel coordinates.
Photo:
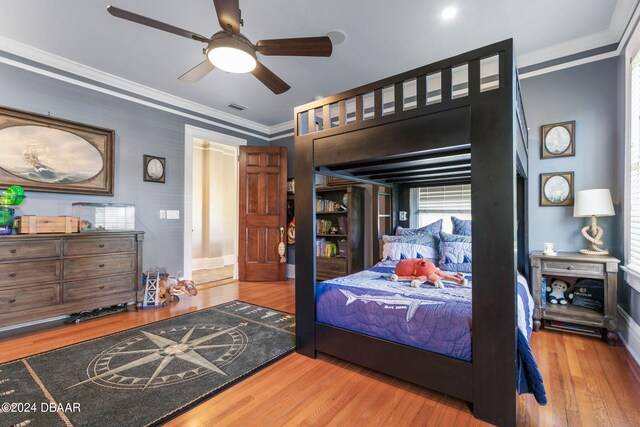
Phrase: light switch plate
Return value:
(173, 214)
(163, 214)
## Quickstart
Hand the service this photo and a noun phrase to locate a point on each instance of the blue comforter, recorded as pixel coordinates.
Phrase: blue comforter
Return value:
(437, 320)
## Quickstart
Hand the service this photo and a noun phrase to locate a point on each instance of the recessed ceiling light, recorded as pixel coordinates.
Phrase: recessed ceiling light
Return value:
(449, 13)
(337, 37)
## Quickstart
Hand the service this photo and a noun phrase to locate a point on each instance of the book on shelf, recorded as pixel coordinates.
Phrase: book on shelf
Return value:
(326, 249)
(323, 205)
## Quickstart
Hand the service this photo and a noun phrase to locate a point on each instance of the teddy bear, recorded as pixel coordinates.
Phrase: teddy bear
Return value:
(558, 292)
(420, 270)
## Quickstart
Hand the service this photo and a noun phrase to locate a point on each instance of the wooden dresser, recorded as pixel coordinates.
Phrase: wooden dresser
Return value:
(48, 275)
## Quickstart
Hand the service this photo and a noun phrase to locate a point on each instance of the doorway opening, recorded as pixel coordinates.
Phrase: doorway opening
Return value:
(211, 206)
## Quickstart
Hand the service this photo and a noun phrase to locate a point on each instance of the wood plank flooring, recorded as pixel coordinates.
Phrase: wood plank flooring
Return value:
(588, 382)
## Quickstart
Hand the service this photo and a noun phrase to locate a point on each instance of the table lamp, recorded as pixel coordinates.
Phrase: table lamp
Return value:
(593, 203)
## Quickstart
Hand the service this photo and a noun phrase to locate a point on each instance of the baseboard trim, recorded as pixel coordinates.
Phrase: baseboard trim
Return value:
(291, 271)
(216, 262)
(629, 332)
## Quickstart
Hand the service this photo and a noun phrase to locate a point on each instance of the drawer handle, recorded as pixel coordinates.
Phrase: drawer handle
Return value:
(13, 251)
(12, 275)
(571, 267)
(101, 265)
(11, 301)
(101, 287)
(101, 245)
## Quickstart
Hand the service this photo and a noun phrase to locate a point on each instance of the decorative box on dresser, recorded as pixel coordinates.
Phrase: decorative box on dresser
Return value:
(48, 275)
(573, 266)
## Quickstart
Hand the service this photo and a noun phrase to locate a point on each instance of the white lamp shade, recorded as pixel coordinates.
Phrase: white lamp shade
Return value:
(593, 202)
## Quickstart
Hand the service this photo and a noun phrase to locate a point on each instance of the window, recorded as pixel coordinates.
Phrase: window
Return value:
(632, 176)
(434, 203)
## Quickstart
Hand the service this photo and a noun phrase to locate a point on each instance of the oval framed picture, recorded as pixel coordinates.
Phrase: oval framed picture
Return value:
(556, 189)
(558, 140)
(154, 168)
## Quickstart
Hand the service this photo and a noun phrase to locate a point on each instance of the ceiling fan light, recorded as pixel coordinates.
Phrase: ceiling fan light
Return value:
(231, 59)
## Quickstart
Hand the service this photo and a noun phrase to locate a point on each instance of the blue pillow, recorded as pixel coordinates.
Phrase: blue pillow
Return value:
(455, 253)
(426, 239)
(433, 228)
(461, 226)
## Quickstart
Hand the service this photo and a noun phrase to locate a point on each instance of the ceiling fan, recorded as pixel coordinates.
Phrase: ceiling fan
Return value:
(231, 51)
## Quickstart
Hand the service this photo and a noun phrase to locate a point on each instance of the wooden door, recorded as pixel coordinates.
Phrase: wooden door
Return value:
(263, 210)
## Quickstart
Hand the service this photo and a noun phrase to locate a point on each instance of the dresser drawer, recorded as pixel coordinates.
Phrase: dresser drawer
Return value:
(27, 297)
(99, 245)
(26, 272)
(573, 267)
(25, 249)
(79, 268)
(333, 266)
(92, 288)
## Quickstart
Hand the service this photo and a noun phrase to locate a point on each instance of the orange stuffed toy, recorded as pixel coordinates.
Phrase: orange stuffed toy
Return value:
(420, 270)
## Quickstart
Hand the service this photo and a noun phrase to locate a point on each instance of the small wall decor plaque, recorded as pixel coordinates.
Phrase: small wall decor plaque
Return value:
(558, 140)
(556, 189)
(154, 168)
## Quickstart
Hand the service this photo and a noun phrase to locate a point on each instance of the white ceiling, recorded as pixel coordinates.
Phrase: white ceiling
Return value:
(383, 38)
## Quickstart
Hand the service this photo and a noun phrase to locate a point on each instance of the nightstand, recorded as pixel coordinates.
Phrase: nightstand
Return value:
(570, 266)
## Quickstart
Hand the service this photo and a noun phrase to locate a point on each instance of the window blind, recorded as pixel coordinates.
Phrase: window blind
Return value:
(445, 199)
(633, 172)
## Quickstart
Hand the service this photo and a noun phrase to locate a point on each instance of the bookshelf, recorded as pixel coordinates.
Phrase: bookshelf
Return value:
(339, 231)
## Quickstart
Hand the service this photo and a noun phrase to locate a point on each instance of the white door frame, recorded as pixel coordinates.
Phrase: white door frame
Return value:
(190, 133)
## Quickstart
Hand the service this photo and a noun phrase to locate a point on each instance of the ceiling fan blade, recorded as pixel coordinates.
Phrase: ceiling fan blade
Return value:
(139, 19)
(269, 79)
(197, 72)
(304, 46)
(228, 14)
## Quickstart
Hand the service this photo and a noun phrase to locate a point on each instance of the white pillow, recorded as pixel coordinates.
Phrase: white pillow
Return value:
(397, 251)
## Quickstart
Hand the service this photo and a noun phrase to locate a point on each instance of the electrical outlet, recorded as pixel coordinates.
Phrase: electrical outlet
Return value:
(163, 214)
(173, 214)
(403, 215)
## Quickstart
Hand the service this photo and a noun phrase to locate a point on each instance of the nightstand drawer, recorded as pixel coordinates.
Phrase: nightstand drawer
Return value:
(572, 267)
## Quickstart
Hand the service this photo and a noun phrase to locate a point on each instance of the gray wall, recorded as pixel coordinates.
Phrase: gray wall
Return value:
(139, 130)
(593, 96)
(587, 94)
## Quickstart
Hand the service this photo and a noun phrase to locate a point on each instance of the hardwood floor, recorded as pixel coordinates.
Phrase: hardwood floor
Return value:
(588, 382)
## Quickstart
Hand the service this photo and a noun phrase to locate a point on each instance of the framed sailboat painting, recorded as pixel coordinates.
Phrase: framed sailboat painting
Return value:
(42, 153)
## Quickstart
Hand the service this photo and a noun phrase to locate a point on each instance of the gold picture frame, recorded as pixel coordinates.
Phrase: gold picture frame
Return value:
(556, 189)
(558, 140)
(43, 153)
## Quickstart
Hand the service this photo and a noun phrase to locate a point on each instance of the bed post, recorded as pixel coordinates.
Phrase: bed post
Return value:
(493, 180)
(305, 243)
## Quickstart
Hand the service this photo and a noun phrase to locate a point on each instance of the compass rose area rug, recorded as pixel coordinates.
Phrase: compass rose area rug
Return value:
(146, 375)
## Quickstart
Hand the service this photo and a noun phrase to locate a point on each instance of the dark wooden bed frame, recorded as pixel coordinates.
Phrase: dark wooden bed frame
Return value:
(489, 125)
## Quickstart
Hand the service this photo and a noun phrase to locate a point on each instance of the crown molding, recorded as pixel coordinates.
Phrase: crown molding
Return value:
(281, 127)
(623, 14)
(60, 63)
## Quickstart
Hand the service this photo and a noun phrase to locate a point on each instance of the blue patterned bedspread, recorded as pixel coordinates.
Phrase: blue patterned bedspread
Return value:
(437, 320)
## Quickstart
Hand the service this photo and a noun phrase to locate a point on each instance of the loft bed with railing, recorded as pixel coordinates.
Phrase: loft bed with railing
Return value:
(459, 120)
